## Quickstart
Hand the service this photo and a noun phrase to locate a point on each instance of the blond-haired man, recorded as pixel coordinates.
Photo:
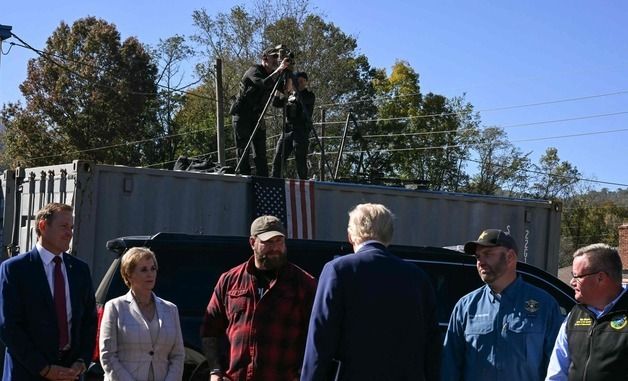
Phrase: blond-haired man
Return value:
(373, 312)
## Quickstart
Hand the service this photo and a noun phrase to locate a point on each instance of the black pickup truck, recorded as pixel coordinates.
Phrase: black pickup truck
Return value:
(189, 267)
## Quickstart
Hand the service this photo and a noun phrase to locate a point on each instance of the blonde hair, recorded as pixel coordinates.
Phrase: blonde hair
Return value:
(131, 258)
(370, 221)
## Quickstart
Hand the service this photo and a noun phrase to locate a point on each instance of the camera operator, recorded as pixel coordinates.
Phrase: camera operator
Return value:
(299, 108)
(255, 88)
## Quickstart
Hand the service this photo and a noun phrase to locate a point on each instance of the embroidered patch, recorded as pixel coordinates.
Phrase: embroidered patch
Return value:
(583, 322)
(619, 322)
(532, 306)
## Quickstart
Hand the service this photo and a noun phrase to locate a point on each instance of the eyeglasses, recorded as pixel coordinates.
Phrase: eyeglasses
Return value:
(578, 278)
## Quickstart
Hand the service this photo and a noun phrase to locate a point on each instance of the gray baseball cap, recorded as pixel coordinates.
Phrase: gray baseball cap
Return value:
(267, 227)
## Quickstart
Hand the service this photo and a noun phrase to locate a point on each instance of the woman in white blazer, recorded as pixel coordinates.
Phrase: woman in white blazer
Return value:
(140, 334)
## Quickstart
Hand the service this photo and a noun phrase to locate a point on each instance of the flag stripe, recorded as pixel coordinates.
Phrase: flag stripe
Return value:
(290, 200)
(310, 209)
(300, 211)
(303, 208)
(312, 219)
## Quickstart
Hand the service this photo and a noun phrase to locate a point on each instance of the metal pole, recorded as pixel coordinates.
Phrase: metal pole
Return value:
(220, 118)
(321, 161)
(342, 145)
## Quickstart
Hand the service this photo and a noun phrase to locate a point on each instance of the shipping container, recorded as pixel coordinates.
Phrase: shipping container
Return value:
(112, 201)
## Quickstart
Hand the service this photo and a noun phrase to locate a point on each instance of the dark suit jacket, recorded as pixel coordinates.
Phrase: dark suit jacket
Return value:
(376, 314)
(28, 324)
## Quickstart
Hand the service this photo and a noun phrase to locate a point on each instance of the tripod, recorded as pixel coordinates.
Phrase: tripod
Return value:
(245, 151)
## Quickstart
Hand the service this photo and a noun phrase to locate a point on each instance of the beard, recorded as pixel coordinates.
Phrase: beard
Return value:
(492, 273)
(272, 260)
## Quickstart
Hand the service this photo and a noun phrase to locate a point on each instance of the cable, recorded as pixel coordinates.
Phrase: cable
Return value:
(388, 150)
(121, 144)
(11, 44)
(48, 56)
(621, 92)
(525, 105)
(181, 89)
(404, 118)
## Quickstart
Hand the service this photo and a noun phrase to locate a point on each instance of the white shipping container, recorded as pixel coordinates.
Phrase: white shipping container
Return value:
(112, 201)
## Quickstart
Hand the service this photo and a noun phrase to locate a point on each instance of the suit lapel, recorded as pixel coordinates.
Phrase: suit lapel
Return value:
(134, 309)
(73, 281)
(162, 315)
(40, 281)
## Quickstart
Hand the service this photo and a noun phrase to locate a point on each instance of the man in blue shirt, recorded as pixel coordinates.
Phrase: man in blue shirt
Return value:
(592, 343)
(504, 330)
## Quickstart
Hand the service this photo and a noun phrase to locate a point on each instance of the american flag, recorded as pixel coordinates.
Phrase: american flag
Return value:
(290, 200)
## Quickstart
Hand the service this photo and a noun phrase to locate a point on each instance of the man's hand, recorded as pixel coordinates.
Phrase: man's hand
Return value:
(79, 366)
(284, 64)
(60, 373)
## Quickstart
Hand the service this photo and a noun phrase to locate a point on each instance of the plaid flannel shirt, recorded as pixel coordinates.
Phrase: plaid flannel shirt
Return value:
(266, 335)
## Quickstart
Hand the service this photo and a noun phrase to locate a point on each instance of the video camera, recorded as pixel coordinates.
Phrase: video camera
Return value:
(284, 52)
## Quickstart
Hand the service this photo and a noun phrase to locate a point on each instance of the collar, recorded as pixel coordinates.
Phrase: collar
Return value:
(609, 306)
(131, 299)
(45, 255)
(369, 242)
(509, 292)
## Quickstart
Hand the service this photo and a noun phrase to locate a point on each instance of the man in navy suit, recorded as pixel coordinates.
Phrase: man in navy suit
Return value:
(373, 312)
(47, 307)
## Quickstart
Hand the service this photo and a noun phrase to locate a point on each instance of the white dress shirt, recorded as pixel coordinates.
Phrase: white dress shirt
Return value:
(49, 267)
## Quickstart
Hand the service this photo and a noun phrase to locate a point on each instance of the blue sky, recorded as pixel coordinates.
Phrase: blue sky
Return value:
(499, 53)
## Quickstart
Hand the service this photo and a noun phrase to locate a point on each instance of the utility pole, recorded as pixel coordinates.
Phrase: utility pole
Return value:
(220, 119)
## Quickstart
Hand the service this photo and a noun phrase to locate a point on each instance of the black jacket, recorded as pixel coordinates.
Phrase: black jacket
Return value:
(598, 347)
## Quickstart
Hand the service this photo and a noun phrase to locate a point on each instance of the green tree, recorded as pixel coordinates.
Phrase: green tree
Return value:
(555, 178)
(501, 165)
(87, 90)
(425, 135)
(197, 131)
(337, 73)
(169, 56)
(590, 217)
(23, 138)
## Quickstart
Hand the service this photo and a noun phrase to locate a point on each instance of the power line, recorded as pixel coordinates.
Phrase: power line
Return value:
(181, 89)
(525, 105)
(389, 150)
(121, 144)
(407, 134)
(49, 57)
(406, 118)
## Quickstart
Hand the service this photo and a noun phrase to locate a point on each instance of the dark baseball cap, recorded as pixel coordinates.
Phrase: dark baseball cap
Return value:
(267, 227)
(492, 238)
(301, 74)
(270, 52)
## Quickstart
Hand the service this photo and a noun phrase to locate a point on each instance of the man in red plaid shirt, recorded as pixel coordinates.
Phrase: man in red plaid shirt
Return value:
(262, 309)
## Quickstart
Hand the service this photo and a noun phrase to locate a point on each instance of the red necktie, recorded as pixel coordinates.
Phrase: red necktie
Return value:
(59, 297)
